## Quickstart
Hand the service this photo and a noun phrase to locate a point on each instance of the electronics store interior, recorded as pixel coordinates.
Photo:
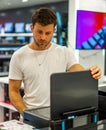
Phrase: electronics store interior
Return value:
(77, 101)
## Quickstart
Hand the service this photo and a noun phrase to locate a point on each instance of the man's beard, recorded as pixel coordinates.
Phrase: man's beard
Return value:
(40, 46)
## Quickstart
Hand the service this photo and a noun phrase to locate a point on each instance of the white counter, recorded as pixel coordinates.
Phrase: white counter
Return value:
(15, 125)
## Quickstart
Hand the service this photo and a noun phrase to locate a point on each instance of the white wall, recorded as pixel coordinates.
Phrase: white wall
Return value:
(86, 57)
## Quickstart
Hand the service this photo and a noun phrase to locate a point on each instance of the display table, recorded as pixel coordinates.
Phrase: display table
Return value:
(15, 125)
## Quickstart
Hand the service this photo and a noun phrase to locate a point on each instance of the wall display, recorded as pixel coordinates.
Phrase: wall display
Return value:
(8, 27)
(90, 30)
(8, 39)
(16, 32)
(105, 63)
(31, 39)
(0, 28)
(20, 27)
(10, 42)
(20, 39)
(27, 27)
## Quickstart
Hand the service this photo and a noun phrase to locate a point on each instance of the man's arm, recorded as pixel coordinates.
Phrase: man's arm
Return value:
(94, 70)
(14, 95)
(76, 67)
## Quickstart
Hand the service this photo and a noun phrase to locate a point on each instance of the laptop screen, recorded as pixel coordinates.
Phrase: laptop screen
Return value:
(72, 91)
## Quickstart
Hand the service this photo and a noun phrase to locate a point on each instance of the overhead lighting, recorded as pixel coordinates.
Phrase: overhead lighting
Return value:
(8, 3)
(24, 0)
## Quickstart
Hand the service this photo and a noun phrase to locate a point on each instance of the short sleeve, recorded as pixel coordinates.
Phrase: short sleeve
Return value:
(15, 67)
(70, 57)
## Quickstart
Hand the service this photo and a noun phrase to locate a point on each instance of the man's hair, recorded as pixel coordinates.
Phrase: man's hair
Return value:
(44, 16)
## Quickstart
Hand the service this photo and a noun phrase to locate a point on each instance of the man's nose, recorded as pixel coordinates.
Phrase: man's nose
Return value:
(43, 36)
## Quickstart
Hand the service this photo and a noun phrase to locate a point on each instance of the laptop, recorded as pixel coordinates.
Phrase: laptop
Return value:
(70, 92)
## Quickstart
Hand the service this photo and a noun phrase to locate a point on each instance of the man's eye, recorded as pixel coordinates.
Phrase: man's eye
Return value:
(48, 33)
(39, 32)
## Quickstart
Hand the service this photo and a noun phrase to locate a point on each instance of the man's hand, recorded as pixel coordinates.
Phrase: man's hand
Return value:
(95, 72)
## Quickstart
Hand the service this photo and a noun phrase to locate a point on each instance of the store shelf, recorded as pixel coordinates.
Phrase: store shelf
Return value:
(11, 46)
(15, 34)
(4, 80)
(7, 110)
(7, 105)
(15, 125)
(5, 56)
(7, 48)
(2, 74)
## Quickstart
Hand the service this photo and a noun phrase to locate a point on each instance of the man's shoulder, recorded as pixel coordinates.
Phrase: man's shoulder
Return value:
(58, 46)
(20, 51)
(63, 49)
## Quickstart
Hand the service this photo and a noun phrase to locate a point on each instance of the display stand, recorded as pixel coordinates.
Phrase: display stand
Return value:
(68, 111)
(82, 119)
(102, 102)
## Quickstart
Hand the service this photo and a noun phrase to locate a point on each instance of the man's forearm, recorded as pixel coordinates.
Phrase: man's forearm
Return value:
(17, 102)
(76, 67)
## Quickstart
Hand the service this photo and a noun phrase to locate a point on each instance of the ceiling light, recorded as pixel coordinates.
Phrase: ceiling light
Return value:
(8, 3)
(24, 0)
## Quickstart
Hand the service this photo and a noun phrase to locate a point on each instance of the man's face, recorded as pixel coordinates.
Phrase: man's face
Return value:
(42, 35)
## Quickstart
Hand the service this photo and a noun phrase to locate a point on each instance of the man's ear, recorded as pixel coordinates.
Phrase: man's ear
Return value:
(31, 27)
(54, 29)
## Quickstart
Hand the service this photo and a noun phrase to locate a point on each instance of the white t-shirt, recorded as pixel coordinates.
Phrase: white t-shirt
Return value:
(34, 68)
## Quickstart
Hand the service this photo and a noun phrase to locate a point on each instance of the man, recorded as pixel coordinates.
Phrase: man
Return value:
(34, 63)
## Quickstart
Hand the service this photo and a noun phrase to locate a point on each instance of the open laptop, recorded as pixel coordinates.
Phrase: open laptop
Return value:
(72, 91)
(69, 92)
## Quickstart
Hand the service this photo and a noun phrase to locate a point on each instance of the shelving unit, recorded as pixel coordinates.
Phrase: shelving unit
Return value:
(10, 42)
(15, 34)
(7, 110)
(7, 105)
(6, 52)
(5, 55)
(8, 46)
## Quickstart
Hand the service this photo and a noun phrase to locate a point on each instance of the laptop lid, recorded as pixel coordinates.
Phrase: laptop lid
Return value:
(69, 92)
(72, 91)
